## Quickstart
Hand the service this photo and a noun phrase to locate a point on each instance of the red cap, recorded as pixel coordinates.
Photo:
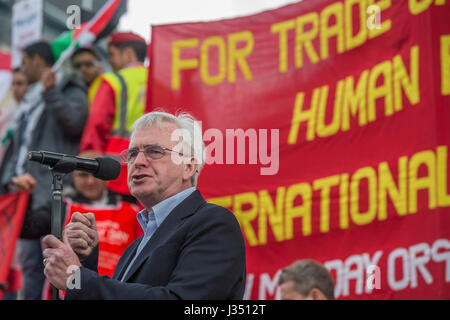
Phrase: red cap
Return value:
(120, 37)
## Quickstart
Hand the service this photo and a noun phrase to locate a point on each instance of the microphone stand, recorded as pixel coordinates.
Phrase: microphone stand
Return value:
(59, 170)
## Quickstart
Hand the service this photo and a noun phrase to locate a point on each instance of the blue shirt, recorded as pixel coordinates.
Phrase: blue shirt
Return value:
(150, 221)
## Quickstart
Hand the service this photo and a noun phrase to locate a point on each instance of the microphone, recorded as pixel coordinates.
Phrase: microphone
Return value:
(104, 168)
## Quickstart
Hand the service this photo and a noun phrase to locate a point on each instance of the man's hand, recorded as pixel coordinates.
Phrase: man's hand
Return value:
(24, 182)
(60, 261)
(48, 79)
(82, 234)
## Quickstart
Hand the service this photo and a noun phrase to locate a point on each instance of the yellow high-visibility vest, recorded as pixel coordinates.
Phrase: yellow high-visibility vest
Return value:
(93, 88)
(130, 86)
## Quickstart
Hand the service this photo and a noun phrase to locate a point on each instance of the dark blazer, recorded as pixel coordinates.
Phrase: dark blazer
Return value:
(198, 252)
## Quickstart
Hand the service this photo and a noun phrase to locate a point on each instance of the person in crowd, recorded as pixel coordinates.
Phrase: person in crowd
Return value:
(9, 106)
(306, 280)
(191, 249)
(88, 63)
(19, 85)
(51, 118)
(118, 101)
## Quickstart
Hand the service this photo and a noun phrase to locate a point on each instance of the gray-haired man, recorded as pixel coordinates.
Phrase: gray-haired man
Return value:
(190, 249)
(306, 280)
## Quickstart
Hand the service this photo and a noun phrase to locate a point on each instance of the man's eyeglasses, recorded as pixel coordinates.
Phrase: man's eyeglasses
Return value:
(151, 152)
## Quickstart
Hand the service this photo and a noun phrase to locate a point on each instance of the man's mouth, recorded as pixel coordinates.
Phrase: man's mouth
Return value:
(139, 177)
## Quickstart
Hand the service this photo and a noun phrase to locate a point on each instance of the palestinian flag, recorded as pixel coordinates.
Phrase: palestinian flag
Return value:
(101, 25)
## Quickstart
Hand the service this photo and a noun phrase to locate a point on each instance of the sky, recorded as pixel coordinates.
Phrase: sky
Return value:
(143, 13)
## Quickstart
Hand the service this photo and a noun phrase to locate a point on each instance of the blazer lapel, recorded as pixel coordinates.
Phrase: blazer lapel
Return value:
(186, 208)
(126, 259)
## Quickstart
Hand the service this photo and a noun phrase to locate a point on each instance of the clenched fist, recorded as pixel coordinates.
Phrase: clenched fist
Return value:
(48, 79)
(24, 182)
(82, 234)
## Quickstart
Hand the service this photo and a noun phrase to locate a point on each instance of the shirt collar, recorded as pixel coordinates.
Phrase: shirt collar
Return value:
(162, 209)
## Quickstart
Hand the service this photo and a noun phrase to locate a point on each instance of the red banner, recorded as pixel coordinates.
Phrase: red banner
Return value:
(12, 213)
(326, 132)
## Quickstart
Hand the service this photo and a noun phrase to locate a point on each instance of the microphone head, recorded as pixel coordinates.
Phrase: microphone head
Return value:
(108, 168)
(35, 156)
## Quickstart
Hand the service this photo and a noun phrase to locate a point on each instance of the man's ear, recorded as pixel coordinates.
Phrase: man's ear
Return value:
(190, 167)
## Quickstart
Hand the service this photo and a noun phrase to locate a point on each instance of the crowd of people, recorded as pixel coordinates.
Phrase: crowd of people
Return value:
(85, 112)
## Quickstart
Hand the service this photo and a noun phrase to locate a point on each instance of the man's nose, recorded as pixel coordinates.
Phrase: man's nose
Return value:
(90, 179)
(141, 159)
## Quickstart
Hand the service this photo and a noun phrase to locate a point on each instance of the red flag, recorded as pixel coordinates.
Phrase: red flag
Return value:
(12, 212)
(109, 13)
(102, 24)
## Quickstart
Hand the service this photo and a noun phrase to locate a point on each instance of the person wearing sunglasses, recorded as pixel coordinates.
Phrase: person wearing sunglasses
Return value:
(191, 249)
(87, 62)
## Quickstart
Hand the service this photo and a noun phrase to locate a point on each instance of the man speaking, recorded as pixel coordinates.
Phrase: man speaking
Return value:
(190, 249)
